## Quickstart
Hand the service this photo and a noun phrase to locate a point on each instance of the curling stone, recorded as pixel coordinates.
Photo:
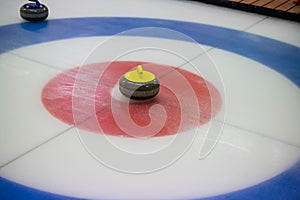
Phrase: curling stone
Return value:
(139, 84)
(34, 11)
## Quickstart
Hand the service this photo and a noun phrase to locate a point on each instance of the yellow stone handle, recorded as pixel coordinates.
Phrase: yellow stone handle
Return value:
(140, 70)
(139, 75)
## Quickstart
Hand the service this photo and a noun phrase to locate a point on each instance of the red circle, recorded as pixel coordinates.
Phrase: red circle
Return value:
(57, 99)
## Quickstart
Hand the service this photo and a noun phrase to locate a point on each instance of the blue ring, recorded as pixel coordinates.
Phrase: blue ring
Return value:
(282, 57)
(277, 55)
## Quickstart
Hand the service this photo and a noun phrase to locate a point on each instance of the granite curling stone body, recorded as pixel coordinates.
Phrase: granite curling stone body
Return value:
(34, 11)
(139, 84)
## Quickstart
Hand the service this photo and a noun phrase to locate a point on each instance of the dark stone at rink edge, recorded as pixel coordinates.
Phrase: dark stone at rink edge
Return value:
(34, 12)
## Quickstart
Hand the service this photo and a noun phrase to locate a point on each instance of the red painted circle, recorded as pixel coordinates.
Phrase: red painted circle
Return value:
(57, 99)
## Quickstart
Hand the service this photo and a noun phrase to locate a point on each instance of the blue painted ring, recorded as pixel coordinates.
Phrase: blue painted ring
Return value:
(280, 56)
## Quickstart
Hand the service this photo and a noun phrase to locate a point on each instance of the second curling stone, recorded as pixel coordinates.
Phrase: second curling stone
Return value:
(34, 11)
(139, 84)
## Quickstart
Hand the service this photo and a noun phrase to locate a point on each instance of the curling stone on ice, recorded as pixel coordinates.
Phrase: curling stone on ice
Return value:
(139, 84)
(34, 11)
